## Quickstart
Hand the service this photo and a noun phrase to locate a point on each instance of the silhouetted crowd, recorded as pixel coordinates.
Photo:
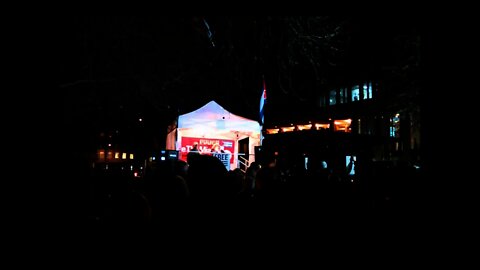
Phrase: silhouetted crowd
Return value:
(177, 193)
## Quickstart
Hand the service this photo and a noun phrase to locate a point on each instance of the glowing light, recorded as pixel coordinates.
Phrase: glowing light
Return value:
(153, 158)
(124, 155)
(324, 165)
(109, 144)
(302, 127)
(131, 167)
(318, 126)
(343, 122)
(135, 174)
(117, 155)
(162, 158)
(131, 156)
(140, 119)
(343, 125)
(288, 129)
(272, 131)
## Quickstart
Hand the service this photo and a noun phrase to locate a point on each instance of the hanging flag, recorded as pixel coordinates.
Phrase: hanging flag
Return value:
(263, 99)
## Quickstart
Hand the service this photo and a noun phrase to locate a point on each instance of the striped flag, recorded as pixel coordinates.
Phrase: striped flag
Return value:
(263, 99)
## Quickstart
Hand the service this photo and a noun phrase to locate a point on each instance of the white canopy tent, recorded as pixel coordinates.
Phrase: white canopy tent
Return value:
(212, 122)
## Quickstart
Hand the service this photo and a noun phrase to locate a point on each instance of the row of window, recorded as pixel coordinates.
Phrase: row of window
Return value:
(367, 126)
(339, 125)
(113, 155)
(363, 126)
(359, 92)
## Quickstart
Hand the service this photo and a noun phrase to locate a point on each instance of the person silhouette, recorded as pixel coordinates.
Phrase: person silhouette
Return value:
(195, 147)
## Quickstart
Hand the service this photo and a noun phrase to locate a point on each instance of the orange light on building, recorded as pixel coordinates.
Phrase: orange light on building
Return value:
(319, 126)
(343, 125)
(101, 155)
(272, 131)
(343, 122)
(304, 127)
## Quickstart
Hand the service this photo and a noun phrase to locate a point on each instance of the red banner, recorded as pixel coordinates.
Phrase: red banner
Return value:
(207, 146)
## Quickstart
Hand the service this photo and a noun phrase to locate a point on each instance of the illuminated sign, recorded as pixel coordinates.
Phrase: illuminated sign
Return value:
(209, 146)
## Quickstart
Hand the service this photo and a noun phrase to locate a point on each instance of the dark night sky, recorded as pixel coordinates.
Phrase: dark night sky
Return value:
(162, 66)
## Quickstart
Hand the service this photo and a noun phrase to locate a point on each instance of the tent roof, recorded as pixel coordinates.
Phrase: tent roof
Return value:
(214, 116)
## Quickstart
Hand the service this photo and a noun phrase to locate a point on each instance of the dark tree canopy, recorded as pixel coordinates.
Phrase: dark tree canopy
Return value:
(117, 68)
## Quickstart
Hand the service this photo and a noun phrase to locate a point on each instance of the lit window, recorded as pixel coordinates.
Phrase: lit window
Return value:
(272, 131)
(370, 90)
(343, 95)
(395, 126)
(350, 162)
(117, 155)
(322, 126)
(367, 90)
(101, 155)
(333, 97)
(355, 93)
(124, 155)
(109, 155)
(131, 156)
(304, 127)
(343, 125)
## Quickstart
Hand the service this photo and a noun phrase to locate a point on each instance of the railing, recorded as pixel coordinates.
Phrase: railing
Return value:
(242, 161)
